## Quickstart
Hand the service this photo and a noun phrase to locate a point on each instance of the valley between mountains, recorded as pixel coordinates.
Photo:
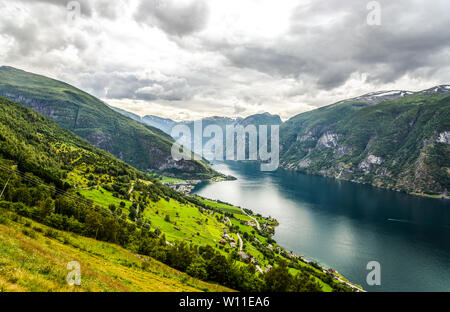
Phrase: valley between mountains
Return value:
(396, 140)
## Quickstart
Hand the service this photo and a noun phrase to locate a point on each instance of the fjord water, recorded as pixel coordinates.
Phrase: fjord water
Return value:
(344, 225)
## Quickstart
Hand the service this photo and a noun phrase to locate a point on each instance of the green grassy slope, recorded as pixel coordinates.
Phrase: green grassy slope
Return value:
(394, 144)
(142, 146)
(34, 258)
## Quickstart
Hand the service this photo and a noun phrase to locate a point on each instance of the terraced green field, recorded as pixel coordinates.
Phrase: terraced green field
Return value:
(34, 258)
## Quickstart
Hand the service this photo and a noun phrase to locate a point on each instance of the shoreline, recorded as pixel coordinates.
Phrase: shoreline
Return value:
(187, 187)
(327, 270)
(442, 196)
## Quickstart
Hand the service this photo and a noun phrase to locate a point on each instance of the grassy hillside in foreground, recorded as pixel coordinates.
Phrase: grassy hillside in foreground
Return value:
(53, 177)
(142, 146)
(401, 144)
(34, 258)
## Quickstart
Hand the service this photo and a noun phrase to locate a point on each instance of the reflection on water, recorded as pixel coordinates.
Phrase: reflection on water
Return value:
(345, 225)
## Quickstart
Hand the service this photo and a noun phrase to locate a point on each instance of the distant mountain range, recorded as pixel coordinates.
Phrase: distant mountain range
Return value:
(166, 124)
(142, 146)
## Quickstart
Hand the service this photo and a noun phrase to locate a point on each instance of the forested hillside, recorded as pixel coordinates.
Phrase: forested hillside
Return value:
(71, 190)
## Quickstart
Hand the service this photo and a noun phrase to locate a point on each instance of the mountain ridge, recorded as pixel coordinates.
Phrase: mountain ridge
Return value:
(398, 141)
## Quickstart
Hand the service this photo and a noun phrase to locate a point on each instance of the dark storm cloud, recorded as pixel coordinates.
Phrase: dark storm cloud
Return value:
(113, 85)
(174, 18)
(216, 54)
(413, 36)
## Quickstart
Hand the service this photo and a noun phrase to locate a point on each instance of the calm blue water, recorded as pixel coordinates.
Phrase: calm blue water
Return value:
(345, 225)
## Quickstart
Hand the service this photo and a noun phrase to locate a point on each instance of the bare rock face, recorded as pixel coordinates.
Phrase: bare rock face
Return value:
(342, 150)
(43, 107)
(304, 163)
(307, 137)
(370, 162)
(443, 137)
(328, 139)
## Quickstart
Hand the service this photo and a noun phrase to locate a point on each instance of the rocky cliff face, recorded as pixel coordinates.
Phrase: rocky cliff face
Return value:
(444, 137)
(401, 142)
(328, 139)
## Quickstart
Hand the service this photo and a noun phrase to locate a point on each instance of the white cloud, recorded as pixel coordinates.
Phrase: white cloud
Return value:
(196, 58)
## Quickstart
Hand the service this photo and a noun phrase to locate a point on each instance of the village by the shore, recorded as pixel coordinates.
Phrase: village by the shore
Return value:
(187, 186)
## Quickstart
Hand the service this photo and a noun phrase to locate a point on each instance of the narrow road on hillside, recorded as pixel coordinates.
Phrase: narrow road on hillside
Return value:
(131, 188)
(256, 221)
(241, 243)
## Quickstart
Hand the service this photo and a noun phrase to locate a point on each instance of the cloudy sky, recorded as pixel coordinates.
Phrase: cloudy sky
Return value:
(189, 58)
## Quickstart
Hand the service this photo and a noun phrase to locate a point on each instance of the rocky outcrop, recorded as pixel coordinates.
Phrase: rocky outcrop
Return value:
(443, 137)
(306, 138)
(370, 162)
(328, 139)
(342, 150)
(304, 163)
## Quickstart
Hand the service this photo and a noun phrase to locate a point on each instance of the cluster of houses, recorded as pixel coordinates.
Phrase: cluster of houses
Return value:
(266, 226)
(248, 258)
(227, 238)
(288, 254)
(184, 187)
(250, 223)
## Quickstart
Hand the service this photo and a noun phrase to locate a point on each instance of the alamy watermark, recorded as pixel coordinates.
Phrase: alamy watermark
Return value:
(74, 276)
(374, 276)
(374, 16)
(237, 143)
(73, 11)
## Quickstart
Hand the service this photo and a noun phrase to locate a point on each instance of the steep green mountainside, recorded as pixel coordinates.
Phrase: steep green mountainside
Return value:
(127, 113)
(395, 140)
(261, 119)
(142, 146)
(71, 189)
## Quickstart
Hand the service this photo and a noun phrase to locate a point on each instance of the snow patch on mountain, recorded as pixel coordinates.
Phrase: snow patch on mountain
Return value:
(437, 89)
